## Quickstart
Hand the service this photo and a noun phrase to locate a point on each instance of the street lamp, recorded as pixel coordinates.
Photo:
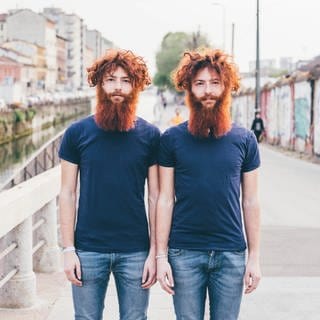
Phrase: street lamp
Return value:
(232, 40)
(223, 22)
(257, 98)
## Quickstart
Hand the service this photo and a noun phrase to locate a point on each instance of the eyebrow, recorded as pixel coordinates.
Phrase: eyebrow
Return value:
(202, 80)
(111, 76)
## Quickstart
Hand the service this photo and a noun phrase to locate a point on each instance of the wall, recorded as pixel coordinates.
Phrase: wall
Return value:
(20, 122)
(286, 108)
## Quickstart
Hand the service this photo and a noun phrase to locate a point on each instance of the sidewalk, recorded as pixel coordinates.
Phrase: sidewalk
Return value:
(278, 298)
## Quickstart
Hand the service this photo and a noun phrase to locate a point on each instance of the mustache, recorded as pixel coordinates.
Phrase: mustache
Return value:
(118, 94)
(209, 97)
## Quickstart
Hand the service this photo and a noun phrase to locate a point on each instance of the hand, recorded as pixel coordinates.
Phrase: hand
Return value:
(164, 275)
(72, 268)
(252, 275)
(149, 272)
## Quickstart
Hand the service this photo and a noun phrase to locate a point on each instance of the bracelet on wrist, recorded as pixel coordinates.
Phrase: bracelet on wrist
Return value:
(69, 249)
(160, 256)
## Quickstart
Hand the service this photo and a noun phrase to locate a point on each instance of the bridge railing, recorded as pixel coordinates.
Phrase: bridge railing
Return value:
(28, 237)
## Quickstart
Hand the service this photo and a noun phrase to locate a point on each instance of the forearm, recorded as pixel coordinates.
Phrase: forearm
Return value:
(251, 212)
(67, 212)
(152, 205)
(163, 222)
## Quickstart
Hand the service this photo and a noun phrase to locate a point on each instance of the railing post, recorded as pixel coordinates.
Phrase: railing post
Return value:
(48, 258)
(20, 290)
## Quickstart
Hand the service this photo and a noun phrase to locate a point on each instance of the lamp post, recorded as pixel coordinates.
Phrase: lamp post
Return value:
(223, 22)
(257, 98)
(232, 40)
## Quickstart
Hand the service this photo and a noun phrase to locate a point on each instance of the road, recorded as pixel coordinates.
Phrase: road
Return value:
(290, 201)
(290, 255)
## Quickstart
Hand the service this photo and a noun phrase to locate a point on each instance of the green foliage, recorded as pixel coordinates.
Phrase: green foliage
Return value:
(23, 115)
(172, 48)
(30, 113)
(162, 80)
(4, 123)
(19, 115)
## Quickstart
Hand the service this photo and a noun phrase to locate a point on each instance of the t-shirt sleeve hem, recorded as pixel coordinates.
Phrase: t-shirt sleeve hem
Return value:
(251, 168)
(168, 165)
(152, 163)
(66, 158)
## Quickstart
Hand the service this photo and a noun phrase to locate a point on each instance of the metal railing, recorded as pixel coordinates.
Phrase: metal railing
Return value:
(45, 158)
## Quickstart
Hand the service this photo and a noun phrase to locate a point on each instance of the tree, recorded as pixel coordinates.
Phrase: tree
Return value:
(172, 47)
(197, 40)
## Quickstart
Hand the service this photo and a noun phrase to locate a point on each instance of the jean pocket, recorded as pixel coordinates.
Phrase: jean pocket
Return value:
(172, 252)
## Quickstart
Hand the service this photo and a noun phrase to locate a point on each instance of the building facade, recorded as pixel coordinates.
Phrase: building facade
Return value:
(37, 29)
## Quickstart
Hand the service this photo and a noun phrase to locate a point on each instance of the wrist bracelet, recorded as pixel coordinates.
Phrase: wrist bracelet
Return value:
(159, 256)
(69, 249)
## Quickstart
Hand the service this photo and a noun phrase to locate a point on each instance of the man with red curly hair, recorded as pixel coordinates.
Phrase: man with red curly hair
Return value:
(114, 152)
(204, 163)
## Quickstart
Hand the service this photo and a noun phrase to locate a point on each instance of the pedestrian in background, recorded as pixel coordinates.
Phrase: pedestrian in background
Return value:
(163, 100)
(114, 152)
(204, 163)
(176, 119)
(257, 126)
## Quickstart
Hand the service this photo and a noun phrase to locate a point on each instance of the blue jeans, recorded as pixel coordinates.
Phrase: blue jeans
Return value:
(127, 269)
(196, 272)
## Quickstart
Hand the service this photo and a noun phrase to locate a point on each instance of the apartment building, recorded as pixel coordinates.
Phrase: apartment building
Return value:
(72, 28)
(37, 29)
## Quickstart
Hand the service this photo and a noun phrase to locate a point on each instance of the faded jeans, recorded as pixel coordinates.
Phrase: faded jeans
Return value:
(220, 273)
(96, 268)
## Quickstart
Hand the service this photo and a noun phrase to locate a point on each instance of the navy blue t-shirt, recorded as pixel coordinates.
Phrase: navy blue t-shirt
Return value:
(207, 176)
(113, 168)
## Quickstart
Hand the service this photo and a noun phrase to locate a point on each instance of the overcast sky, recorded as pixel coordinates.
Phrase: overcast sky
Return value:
(289, 28)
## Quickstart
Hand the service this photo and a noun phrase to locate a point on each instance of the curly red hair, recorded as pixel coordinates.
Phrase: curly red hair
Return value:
(193, 61)
(109, 116)
(217, 121)
(134, 65)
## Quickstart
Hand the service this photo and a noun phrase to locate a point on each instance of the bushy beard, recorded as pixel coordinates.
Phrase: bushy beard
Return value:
(209, 121)
(116, 116)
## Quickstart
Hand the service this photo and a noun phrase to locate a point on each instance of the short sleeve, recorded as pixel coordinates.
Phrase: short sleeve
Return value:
(154, 152)
(166, 150)
(68, 149)
(252, 157)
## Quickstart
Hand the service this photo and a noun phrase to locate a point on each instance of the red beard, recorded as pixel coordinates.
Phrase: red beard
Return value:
(112, 116)
(205, 121)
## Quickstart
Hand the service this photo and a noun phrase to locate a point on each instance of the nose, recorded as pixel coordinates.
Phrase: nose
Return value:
(207, 88)
(117, 84)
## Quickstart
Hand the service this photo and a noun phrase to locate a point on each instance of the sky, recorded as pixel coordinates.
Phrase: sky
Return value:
(288, 28)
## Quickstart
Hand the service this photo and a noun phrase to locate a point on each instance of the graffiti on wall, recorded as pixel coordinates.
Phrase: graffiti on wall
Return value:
(272, 116)
(240, 110)
(302, 105)
(316, 115)
(286, 111)
(285, 115)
